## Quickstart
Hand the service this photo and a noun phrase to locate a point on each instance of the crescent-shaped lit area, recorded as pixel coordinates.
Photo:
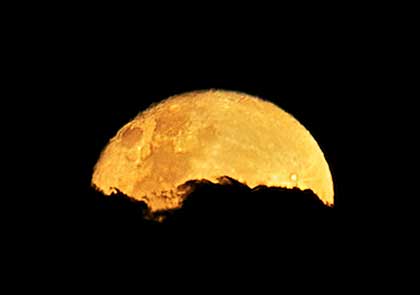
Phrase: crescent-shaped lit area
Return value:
(204, 135)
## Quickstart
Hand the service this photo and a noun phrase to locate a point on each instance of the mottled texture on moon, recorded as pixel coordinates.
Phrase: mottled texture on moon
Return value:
(206, 135)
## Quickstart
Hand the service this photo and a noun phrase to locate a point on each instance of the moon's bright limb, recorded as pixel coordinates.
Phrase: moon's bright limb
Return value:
(205, 135)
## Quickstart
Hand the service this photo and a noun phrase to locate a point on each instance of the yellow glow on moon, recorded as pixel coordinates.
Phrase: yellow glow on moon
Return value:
(206, 135)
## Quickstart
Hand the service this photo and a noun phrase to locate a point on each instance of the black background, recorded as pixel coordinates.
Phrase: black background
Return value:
(84, 75)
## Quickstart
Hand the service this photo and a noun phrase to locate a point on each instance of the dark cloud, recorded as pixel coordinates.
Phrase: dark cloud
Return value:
(216, 204)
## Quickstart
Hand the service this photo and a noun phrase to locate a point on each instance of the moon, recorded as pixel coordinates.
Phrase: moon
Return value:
(206, 135)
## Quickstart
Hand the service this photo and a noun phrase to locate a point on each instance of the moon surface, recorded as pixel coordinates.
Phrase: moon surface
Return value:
(206, 135)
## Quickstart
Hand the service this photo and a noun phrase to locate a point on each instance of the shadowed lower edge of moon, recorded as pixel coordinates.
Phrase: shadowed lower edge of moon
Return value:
(184, 190)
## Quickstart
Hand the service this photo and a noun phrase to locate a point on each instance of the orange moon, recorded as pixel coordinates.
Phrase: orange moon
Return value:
(206, 135)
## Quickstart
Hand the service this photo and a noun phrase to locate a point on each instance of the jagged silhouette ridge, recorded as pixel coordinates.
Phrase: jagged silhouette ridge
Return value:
(228, 201)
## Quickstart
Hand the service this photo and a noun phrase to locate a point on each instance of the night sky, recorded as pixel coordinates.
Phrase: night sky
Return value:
(99, 80)
(88, 78)
(324, 87)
